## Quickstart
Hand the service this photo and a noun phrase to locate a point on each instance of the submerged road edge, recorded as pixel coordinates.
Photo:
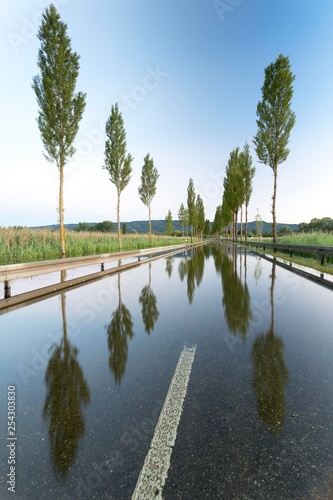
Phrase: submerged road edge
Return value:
(154, 472)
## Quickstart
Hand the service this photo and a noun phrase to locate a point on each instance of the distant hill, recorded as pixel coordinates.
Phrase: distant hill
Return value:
(267, 226)
(158, 226)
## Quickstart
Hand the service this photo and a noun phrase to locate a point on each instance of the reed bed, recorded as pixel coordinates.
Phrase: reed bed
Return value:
(29, 245)
(318, 238)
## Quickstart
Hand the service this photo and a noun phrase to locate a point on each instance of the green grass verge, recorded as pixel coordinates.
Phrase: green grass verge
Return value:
(317, 239)
(29, 245)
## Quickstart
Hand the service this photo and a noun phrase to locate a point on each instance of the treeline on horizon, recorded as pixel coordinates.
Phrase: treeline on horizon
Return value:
(159, 227)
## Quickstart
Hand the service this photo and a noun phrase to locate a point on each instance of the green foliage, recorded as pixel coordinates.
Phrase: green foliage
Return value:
(200, 219)
(60, 108)
(275, 120)
(207, 228)
(124, 228)
(247, 172)
(103, 227)
(82, 226)
(147, 189)
(169, 223)
(149, 177)
(117, 161)
(191, 208)
(324, 225)
(29, 245)
(183, 217)
(217, 224)
(284, 230)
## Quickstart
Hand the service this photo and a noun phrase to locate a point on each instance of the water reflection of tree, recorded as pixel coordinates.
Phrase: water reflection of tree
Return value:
(148, 303)
(236, 297)
(193, 269)
(169, 265)
(258, 269)
(270, 372)
(119, 331)
(67, 391)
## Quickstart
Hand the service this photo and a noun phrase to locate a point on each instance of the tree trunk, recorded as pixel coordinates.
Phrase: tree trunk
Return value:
(245, 222)
(149, 227)
(241, 224)
(118, 219)
(274, 206)
(235, 225)
(61, 213)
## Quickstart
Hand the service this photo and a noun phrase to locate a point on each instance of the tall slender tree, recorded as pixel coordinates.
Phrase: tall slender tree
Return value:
(169, 223)
(191, 206)
(181, 216)
(60, 107)
(200, 210)
(147, 189)
(275, 120)
(233, 187)
(248, 172)
(117, 160)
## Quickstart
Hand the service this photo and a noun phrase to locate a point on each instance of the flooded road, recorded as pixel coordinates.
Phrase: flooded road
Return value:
(101, 383)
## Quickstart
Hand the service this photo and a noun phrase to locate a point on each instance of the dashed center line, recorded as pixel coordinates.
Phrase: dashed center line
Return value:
(154, 472)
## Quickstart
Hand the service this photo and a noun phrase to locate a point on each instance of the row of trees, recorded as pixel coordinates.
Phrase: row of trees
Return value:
(61, 109)
(237, 191)
(275, 121)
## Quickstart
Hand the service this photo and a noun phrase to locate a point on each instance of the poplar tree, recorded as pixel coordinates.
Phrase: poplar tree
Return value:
(60, 107)
(147, 189)
(169, 223)
(233, 187)
(117, 161)
(200, 219)
(275, 120)
(248, 172)
(191, 206)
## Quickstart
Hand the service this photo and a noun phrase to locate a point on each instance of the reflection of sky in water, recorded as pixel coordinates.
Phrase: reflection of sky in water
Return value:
(262, 334)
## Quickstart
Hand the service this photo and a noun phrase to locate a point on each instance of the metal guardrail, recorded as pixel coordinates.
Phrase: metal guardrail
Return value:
(9, 273)
(321, 251)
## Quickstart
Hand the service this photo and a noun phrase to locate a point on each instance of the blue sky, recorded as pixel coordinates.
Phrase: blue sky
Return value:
(187, 75)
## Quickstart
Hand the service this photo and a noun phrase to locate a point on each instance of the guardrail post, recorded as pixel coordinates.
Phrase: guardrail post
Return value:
(323, 259)
(102, 266)
(8, 289)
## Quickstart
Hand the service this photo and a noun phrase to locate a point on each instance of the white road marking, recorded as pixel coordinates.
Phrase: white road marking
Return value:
(157, 462)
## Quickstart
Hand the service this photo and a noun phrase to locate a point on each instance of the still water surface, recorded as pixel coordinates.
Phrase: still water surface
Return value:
(92, 368)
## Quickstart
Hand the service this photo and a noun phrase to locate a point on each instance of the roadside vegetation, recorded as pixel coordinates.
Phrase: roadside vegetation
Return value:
(29, 245)
(316, 238)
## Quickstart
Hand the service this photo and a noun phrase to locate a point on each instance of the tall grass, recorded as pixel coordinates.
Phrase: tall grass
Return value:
(318, 238)
(28, 245)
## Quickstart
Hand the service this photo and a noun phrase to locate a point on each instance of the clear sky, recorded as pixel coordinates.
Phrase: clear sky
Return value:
(187, 75)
